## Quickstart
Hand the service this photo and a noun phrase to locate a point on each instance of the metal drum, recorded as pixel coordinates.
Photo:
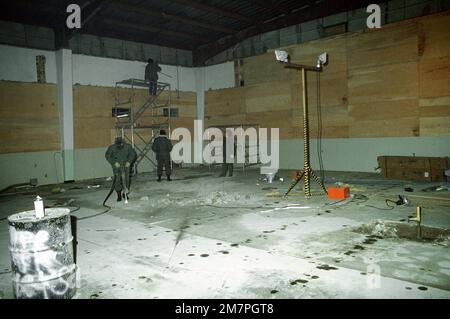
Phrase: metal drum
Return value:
(42, 255)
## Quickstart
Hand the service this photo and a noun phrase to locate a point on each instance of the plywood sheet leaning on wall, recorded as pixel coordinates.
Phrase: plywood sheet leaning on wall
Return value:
(29, 117)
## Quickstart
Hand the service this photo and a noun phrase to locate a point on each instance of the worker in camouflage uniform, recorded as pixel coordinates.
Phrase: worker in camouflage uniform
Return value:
(162, 147)
(121, 156)
(229, 154)
(151, 75)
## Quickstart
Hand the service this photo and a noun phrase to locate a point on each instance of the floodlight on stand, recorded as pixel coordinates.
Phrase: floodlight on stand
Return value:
(282, 56)
(307, 173)
(322, 60)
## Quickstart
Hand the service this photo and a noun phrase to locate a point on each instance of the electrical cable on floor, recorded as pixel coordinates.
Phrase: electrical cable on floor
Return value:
(108, 208)
(236, 207)
(387, 201)
(95, 215)
(319, 128)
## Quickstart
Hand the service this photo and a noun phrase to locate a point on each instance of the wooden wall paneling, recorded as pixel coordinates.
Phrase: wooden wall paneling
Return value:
(434, 107)
(383, 46)
(273, 119)
(225, 102)
(233, 119)
(93, 116)
(383, 83)
(29, 117)
(436, 36)
(434, 76)
(407, 126)
(435, 126)
(379, 110)
(263, 68)
(186, 103)
(268, 96)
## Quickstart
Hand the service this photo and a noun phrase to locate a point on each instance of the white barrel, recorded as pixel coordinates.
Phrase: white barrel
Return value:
(42, 255)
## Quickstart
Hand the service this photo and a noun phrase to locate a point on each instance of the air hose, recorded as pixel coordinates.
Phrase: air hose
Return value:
(110, 192)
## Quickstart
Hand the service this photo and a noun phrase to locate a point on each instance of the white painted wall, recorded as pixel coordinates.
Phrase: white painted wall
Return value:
(360, 154)
(89, 70)
(219, 76)
(19, 64)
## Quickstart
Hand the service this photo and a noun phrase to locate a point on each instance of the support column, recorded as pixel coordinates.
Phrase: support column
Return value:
(199, 127)
(65, 104)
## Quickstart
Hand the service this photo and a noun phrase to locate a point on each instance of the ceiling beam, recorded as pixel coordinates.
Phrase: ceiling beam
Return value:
(28, 12)
(267, 4)
(171, 17)
(89, 11)
(311, 12)
(147, 28)
(145, 39)
(216, 10)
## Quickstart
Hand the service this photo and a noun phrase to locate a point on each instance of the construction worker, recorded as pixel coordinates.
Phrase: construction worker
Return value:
(162, 146)
(121, 156)
(228, 159)
(151, 75)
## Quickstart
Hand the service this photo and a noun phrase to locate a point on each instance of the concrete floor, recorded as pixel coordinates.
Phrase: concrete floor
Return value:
(238, 238)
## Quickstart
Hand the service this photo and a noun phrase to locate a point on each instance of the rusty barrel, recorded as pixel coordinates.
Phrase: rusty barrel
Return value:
(42, 255)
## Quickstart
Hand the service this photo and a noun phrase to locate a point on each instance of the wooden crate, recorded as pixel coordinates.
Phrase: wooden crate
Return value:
(413, 168)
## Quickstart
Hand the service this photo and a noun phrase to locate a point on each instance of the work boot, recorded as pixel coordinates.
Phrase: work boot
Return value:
(168, 178)
(159, 178)
(119, 196)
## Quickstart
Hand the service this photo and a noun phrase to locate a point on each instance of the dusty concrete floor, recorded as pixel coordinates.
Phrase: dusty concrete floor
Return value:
(237, 238)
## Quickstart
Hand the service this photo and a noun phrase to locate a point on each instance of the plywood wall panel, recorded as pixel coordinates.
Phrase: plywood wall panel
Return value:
(408, 126)
(384, 110)
(436, 36)
(263, 68)
(273, 119)
(434, 107)
(29, 117)
(383, 83)
(308, 53)
(333, 88)
(268, 97)
(186, 103)
(225, 102)
(384, 46)
(435, 77)
(94, 124)
(435, 126)
(92, 114)
(232, 119)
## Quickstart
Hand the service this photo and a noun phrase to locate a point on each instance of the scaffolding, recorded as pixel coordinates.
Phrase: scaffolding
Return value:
(140, 123)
